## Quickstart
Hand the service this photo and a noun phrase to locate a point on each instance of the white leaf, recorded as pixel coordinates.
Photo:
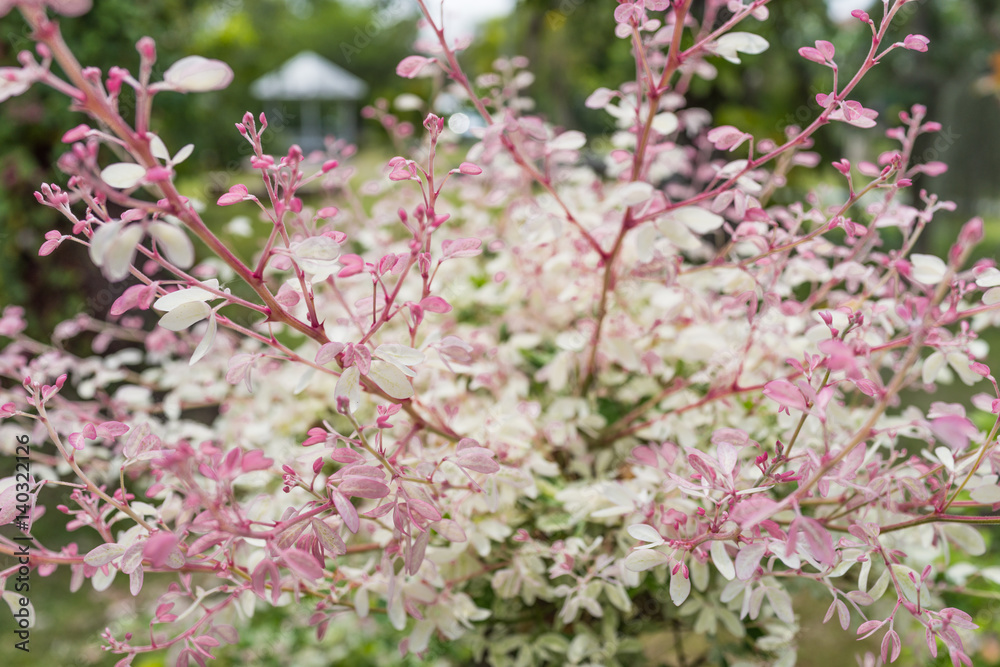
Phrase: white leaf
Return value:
(665, 123)
(644, 559)
(121, 252)
(185, 315)
(722, 561)
(967, 538)
(989, 278)
(135, 581)
(349, 385)
(906, 585)
(101, 240)
(699, 220)
(959, 363)
(643, 240)
(304, 380)
(104, 554)
(123, 175)
(183, 154)
(599, 98)
(988, 494)
(645, 533)
(748, 559)
(880, 587)
(635, 193)
(618, 597)
(188, 295)
(175, 244)
(699, 574)
(13, 600)
(399, 356)
(101, 582)
(932, 367)
(132, 558)
(195, 74)
(781, 603)
(207, 340)
(680, 588)
(928, 269)
(945, 457)
(679, 235)
(158, 148)
(390, 379)
(568, 141)
(729, 45)
(317, 256)
(992, 296)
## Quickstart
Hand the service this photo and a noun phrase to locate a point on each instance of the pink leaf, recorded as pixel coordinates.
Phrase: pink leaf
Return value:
(48, 247)
(785, 394)
(422, 511)
(411, 66)
(128, 300)
(78, 133)
(478, 459)
(345, 455)
(916, 43)
(449, 530)
(470, 169)
(809, 53)
(329, 538)
(469, 247)
(236, 194)
(328, 352)
(255, 460)
(819, 540)
(363, 487)
(435, 304)
(727, 137)
(302, 564)
(954, 431)
(159, 547)
(868, 628)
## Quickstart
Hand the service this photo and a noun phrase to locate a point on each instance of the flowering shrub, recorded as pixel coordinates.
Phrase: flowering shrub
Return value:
(522, 409)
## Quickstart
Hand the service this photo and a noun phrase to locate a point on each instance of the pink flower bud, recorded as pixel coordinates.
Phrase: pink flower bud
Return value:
(147, 49)
(972, 232)
(76, 134)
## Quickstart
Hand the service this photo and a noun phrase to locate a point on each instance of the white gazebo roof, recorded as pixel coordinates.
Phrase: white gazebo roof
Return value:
(309, 76)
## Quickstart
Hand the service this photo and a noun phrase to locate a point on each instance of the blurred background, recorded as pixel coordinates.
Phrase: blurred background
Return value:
(343, 57)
